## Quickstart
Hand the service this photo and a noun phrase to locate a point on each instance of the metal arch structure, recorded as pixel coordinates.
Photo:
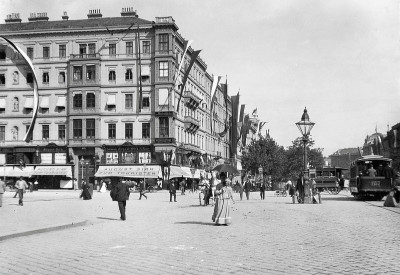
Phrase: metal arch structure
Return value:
(29, 134)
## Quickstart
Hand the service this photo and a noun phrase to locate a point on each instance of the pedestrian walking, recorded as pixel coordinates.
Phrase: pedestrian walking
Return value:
(182, 184)
(30, 186)
(247, 188)
(85, 195)
(217, 196)
(341, 184)
(35, 184)
(120, 193)
(142, 190)
(2, 190)
(223, 216)
(240, 188)
(172, 191)
(103, 187)
(21, 186)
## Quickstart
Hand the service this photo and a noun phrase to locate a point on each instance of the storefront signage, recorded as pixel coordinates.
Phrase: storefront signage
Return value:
(153, 171)
(53, 170)
(46, 158)
(60, 158)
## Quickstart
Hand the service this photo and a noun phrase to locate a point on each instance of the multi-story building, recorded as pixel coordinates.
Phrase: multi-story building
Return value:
(107, 96)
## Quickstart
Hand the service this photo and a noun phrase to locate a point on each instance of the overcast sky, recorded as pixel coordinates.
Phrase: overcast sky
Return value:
(340, 58)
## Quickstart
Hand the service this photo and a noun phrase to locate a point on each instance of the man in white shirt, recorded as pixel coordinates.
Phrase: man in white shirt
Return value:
(21, 185)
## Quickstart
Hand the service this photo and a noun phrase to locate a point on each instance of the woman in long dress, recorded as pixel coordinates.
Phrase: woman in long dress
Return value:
(223, 216)
(217, 196)
(103, 188)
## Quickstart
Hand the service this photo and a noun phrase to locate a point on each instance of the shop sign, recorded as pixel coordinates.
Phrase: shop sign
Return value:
(46, 158)
(60, 158)
(153, 171)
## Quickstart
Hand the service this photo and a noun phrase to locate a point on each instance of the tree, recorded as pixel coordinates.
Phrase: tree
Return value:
(294, 156)
(265, 153)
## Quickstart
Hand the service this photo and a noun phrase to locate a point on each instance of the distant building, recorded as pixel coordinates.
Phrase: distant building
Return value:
(392, 143)
(343, 157)
(375, 145)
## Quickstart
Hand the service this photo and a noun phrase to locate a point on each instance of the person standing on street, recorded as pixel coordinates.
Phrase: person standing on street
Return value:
(172, 191)
(341, 184)
(2, 190)
(262, 187)
(300, 188)
(142, 190)
(120, 193)
(247, 188)
(21, 186)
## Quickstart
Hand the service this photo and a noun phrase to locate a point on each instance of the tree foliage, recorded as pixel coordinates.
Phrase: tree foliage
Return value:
(280, 163)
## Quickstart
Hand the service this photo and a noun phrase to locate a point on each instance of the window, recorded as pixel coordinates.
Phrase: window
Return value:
(29, 52)
(92, 49)
(62, 51)
(163, 68)
(145, 130)
(61, 132)
(2, 55)
(112, 49)
(90, 72)
(146, 47)
(111, 75)
(2, 133)
(90, 128)
(45, 132)
(128, 74)
(46, 78)
(46, 52)
(2, 79)
(77, 72)
(82, 49)
(128, 101)
(164, 127)
(61, 77)
(129, 48)
(163, 43)
(111, 131)
(128, 130)
(90, 100)
(146, 102)
(77, 128)
(77, 101)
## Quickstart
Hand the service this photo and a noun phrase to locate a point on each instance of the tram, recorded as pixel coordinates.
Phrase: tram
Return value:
(362, 185)
(327, 178)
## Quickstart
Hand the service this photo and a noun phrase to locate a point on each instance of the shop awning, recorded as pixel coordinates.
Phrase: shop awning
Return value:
(188, 172)
(53, 170)
(7, 169)
(176, 172)
(2, 103)
(61, 101)
(24, 172)
(111, 100)
(131, 171)
(28, 103)
(45, 102)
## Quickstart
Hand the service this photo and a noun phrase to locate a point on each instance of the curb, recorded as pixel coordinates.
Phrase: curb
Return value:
(44, 230)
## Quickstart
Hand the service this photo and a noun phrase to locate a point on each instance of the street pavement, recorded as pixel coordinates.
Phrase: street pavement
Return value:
(57, 233)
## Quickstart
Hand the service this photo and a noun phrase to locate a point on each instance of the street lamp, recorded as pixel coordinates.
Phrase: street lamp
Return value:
(305, 126)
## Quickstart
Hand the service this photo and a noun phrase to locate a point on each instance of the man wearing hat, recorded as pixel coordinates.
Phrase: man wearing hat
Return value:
(120, 193)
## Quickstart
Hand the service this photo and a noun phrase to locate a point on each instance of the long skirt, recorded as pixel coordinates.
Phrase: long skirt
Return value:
(224, 214)
(216, 209)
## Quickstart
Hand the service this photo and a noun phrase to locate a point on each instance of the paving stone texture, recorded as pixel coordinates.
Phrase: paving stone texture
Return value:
(57, 233)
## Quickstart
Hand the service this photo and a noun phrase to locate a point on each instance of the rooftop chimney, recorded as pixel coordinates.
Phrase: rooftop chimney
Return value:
(13, 18)
(40, 16)
(65, 16)
(129, 12)
(94, 14)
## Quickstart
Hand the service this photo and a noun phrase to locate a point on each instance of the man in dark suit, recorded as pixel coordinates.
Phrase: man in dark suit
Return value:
(172, 191)
(120, 193)
(247, 188)
(300, 187)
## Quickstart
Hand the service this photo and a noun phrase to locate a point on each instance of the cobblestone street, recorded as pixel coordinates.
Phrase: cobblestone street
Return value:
(56, 233)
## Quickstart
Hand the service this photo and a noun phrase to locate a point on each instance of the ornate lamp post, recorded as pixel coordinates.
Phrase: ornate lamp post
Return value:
(82, 162)
(305, 126)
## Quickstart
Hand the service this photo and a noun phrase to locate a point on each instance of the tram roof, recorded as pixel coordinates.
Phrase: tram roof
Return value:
(371, 158)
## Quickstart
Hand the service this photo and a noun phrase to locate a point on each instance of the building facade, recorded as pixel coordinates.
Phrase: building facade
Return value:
(107, 95)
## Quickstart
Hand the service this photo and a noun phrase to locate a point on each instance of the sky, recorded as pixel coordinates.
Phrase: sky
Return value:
(338, 58)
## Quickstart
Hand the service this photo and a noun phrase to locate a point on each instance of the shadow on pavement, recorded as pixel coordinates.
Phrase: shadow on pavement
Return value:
(336, 199)
(196, 222)
(105, 218)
